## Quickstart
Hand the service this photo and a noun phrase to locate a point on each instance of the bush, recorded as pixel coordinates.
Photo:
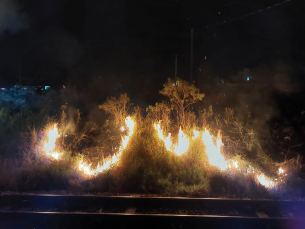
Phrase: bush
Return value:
(145, 166)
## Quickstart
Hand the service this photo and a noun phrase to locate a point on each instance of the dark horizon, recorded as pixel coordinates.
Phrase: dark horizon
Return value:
(123, 46)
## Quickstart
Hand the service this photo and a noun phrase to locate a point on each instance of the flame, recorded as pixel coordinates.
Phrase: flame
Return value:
(130, 125)
(235, 164)
(108, 162)
(49, 146)
(159, 130)
(195, 134)
(250, 170)
(84, 167)
(265, 181)
(167, 140)
(213, 151)
(182, 144)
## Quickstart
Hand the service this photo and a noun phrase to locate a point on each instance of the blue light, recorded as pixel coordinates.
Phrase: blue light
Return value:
(248, 78)
(47, 87)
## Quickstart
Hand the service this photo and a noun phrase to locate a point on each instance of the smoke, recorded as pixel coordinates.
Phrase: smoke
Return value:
(12, 17)
(255, 92)
(258, 95)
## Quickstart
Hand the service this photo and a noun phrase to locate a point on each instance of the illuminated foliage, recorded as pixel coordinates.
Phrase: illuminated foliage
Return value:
(182, 95)
(117, 107)
(161, 111)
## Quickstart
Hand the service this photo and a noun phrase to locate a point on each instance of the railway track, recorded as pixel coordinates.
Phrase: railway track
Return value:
(54, 211)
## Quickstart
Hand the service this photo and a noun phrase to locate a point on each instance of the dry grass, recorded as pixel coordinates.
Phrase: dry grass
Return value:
(145, 165)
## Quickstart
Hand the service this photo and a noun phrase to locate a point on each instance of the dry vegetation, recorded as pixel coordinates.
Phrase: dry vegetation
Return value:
(145, 165)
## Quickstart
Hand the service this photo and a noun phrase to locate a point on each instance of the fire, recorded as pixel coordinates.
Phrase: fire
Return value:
(213, 151)
(108, 162)
(130, 125)
(159, 130)
(49, 146)
(236, 164)
(265, 181)
(182, 144)
(167, 140)
(195, 134)
(250, 170)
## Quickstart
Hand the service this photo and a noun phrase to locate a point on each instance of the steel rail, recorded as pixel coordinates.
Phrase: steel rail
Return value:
(67, 202)
(69, 211)
(117, 220)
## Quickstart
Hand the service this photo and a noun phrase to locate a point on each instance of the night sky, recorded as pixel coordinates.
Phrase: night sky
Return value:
(130, 46)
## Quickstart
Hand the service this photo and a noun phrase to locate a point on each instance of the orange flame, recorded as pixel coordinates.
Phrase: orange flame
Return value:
(214, 151)
(281, 171)
(167, 140)
(196, 134)
(182, 144)
(265, 181)
(108, 162)
(49, 146)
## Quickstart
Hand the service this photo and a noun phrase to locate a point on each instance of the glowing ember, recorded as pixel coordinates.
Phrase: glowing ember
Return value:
(167, 140)
(265, 181)
(213, 151)
(250, 170)
(182, 144)
(49, 146)
(108, 162)
(281, 171)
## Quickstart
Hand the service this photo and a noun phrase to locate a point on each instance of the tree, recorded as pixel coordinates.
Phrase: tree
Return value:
(161, 111)
(182, 95)
(117, 107)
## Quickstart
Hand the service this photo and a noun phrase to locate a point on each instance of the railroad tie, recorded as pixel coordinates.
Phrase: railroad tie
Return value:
(131, 210)
(262, 215)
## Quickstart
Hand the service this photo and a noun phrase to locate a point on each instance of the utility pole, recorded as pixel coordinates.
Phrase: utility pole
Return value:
(20, 73)
(191, 59)
(176, 70)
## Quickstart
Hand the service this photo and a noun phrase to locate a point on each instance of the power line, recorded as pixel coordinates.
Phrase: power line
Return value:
(151, 39)
(247, 15)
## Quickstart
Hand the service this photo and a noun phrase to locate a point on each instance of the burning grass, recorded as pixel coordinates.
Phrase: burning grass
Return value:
(178, 155)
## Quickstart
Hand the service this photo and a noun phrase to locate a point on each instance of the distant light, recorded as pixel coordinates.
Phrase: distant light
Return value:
(47, 87)
(248, 78)
(3, 89)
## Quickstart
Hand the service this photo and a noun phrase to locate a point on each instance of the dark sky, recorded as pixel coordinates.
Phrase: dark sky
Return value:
(130, 45)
